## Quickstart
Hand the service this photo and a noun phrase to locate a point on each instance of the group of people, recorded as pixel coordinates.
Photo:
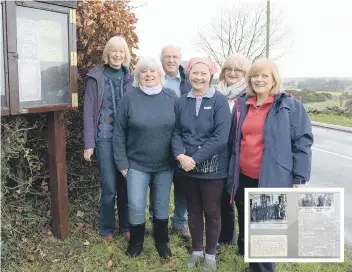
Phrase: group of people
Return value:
(267, 212)
(163, 124)
(316, 200)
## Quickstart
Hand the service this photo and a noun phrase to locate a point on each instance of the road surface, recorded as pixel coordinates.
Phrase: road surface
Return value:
(332, 167)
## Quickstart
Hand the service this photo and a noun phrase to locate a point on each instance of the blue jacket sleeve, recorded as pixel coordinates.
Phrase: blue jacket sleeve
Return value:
(219, 139)
(302, 141)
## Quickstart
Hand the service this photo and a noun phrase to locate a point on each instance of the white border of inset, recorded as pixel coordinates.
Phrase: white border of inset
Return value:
(300, 190)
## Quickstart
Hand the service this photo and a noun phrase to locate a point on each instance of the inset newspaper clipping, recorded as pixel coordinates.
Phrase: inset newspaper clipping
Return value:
(294, 225)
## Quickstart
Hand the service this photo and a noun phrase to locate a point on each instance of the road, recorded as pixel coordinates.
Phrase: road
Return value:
(332, 167)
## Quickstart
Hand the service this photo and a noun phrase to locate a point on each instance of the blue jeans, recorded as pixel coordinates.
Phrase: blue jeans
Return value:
(137, 190)
(112, 182)
(180, 218)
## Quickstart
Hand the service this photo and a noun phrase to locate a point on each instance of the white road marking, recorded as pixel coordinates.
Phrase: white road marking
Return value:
(332, 153)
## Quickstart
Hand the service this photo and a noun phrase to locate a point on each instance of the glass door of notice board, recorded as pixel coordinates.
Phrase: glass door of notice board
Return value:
(41, 57)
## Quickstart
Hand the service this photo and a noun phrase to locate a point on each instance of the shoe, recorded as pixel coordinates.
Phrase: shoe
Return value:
(108, 239)
(182, 232)
(209, 265)
(161, 237)
(194, 260)
(135, 244)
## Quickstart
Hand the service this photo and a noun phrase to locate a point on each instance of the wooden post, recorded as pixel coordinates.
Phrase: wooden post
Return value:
(58, 173)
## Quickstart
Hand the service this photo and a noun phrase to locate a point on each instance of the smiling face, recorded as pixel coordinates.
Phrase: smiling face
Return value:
(262, 82)
(233, 75)
(116, 56)
(171, 59)
(149, 77)
(199, 77)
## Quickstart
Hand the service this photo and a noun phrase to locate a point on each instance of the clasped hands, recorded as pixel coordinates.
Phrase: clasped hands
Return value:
(186, 162)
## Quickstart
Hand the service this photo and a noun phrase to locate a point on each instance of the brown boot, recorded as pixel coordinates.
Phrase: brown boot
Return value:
(108, 239)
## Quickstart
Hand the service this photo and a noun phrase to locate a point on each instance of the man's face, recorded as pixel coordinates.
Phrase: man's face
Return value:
(171, 59)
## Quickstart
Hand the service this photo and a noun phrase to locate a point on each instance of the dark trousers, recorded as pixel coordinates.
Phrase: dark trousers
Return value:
(203, 197)
(247, 182)
(228, 231)
(112, 183)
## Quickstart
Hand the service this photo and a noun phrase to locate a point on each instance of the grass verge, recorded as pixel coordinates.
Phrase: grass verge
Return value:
(86, 251)
(333, 119)
(96, 255)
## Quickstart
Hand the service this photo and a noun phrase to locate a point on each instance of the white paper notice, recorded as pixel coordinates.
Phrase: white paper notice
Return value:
(268, 246)
(29, 80)
(50, 41)
(27, 39)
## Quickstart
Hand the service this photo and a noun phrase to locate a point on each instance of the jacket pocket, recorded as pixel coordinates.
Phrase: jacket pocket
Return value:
(285, 161)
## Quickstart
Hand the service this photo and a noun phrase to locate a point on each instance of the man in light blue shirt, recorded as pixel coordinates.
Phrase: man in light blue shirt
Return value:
(173, 83)
(176, 79)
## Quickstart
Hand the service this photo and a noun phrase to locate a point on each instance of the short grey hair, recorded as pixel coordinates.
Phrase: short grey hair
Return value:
(170, 45)
(117, 40)
(148, 63)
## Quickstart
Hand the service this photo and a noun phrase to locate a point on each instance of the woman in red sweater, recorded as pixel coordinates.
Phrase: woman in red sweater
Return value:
(272, 139)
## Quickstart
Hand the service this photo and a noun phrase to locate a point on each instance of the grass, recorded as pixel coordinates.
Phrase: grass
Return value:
(96, 255)
(322, 105)
(332, 119)
(85, 251)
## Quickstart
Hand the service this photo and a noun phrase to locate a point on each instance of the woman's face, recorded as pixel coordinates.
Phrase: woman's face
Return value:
(199, 77)
(149, 77)
(233, 75)
(116, 56)
(263, 81)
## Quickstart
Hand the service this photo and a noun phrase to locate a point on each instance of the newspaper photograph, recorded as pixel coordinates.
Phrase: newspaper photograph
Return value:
(268, 211)
(318, 225)
(316, 200)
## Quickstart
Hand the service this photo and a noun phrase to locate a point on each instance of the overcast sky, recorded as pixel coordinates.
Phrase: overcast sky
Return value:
(320, 39)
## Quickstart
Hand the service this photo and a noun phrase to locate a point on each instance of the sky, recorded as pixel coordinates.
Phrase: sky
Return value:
(319, 43)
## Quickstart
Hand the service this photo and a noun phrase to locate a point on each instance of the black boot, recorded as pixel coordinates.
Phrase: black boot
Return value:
(161, 237)
(135, 245)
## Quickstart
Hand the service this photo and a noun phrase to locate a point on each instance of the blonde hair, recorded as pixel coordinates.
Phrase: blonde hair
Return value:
(238, 61)
(148, 63)
(259, 66)
(120, 41)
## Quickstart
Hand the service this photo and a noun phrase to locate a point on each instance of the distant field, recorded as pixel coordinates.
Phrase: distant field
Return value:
(337, 94)
(322, 105)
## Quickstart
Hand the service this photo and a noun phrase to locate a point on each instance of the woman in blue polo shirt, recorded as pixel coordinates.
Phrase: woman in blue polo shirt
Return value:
(199, 144)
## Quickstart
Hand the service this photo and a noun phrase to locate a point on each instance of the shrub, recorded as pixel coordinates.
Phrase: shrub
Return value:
(24, 173)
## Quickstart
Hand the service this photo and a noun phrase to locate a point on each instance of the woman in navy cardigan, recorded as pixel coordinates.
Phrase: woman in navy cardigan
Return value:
(199, 144)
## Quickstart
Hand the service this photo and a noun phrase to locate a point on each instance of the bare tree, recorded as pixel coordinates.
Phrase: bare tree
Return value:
(242, 29)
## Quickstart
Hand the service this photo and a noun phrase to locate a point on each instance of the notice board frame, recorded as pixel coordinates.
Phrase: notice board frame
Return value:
(55, 113)
(12, 58)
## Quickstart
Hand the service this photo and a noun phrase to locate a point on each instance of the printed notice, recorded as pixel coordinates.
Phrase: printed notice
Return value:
(27, 39)
(29, 80)
(294, 225)
(50, 41)
(268, 246)
(319, 225)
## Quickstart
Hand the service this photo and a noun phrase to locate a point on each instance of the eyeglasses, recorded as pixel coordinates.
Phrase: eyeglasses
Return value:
(230, 70)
